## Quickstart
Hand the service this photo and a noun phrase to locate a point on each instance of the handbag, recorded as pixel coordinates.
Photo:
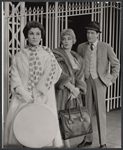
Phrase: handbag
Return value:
(74, 122)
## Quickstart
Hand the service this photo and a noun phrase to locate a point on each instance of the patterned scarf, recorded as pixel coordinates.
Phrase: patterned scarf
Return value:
(35, 69)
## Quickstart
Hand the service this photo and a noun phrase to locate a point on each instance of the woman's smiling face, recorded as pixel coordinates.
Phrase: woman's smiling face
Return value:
(34, 36)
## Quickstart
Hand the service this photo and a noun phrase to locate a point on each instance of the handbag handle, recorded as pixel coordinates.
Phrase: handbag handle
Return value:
(69, 110)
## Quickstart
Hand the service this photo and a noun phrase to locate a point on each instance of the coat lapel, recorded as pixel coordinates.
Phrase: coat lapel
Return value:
(24, 63)
(86, 49)
(99, 50)
(87, 53)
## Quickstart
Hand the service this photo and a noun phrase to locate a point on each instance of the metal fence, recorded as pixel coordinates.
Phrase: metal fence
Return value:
(55, 18)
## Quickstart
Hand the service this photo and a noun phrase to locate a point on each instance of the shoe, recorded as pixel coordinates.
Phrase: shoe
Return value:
(84, 143)
(103, 146)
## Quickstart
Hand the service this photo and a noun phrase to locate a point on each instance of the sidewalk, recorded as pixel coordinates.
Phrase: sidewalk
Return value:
(113, 132)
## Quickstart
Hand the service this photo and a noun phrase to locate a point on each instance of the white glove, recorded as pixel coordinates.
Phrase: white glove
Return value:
(71, 96)
(27, 96)
(73, 89)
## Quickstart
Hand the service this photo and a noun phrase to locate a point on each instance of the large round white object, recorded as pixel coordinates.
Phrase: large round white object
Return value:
(35, 125)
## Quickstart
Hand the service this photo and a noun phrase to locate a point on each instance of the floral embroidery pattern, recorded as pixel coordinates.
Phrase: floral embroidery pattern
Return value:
(35, 68)
(50, 77)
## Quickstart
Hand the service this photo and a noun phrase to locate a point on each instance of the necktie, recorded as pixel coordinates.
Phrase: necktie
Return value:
(92, 46)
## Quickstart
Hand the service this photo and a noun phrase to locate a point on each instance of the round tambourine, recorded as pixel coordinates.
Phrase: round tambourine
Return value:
(35, 125)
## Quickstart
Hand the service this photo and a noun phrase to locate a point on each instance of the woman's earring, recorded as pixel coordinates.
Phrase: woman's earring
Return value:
(40, 42)
(27, 42)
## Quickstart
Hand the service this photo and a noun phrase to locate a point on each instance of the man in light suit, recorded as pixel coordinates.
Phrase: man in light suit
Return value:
(97, 56)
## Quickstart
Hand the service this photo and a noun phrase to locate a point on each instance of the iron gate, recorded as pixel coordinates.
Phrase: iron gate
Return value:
(55, 18)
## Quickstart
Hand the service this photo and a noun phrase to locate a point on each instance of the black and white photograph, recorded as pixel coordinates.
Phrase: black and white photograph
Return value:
(61, 74)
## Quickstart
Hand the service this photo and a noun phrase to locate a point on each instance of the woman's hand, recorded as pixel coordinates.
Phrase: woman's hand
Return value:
(71, 96)
(27, 96)
(75, 91)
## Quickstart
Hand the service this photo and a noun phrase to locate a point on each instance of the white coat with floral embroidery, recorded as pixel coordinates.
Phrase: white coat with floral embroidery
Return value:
(50, 72)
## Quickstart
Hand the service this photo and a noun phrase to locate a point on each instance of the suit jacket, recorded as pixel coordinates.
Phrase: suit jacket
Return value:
(105, 54)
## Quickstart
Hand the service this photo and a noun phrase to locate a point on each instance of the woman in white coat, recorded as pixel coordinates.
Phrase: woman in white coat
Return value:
(33, 68)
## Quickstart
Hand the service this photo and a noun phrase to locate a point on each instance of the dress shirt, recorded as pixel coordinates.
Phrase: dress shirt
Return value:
(93, 61)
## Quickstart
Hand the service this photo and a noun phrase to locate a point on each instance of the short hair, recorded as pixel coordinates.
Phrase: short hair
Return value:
(33, 24)
(68, 32)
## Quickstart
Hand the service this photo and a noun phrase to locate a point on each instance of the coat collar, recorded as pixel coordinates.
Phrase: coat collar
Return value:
(99, 49)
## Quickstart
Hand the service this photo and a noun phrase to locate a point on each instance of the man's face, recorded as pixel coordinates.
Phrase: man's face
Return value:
(92, 36)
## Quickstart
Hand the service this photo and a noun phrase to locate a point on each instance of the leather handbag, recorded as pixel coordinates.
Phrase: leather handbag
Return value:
(74, 122)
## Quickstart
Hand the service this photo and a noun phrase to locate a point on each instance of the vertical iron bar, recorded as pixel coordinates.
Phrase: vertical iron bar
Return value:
(110, 35)
(49, 27)
(115, 88)
(47, 5)
(56, 23)
(120, 51)
(92, 16)
(108, 98)
(66, 17)
(117, 23)
(6, 62)
(101, 20)
(62, 19)
(53, 28)
(22, 6)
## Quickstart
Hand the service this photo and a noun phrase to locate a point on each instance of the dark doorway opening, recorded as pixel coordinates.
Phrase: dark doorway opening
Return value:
(78, 24)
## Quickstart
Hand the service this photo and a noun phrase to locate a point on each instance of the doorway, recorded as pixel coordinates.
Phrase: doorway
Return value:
(78, 24)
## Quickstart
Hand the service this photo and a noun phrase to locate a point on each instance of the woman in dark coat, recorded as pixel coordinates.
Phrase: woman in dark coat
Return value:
(71, 83)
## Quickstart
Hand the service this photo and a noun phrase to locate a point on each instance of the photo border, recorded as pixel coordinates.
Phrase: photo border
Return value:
(2, 63)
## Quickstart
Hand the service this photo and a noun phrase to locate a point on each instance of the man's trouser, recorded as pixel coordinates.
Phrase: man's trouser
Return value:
(96, 92)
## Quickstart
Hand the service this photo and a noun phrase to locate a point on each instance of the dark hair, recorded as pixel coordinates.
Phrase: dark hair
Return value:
(33, 24)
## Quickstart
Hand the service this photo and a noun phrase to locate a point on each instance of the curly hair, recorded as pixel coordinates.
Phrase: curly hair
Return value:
(68, 32)
(33, 24)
